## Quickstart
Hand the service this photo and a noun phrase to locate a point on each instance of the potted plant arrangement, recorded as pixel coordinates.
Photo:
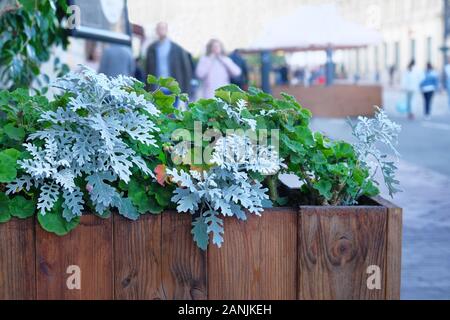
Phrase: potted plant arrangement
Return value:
(210, 218)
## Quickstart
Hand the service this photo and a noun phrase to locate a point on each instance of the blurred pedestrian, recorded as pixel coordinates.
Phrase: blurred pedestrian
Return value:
(429, 85)
(166, 58)
(139, 71)
(215, 69)
(447, 79)
(92, 54)
(392, 75)
(283, 71)
(410, 85)
(117, 59)
(242, 80)
(307, 78)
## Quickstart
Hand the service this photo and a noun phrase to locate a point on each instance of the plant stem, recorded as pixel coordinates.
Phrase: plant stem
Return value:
(272, 183)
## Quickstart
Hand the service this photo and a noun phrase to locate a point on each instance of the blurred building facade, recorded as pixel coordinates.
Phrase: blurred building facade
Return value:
(411, 29)
(192, 23)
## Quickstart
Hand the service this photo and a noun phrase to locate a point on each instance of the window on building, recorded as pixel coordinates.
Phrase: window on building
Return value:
(429, 48)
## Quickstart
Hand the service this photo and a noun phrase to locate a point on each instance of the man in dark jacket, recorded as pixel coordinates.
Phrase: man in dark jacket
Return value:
(165, 58)
(242, 80)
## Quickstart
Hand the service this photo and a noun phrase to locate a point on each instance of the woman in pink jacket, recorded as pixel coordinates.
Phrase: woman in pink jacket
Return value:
(215, 69)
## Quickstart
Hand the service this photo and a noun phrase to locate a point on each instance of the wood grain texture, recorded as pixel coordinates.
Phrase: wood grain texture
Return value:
(336, 245)
(310, 253)
(394, 254)
(17, 260)
(393, 249)
(88, 246)
(183, 263)
(337, 101)
(137, 258)
(257, 259)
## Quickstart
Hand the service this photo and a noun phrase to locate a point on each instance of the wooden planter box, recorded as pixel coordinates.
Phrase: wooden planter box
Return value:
(306, 253)
(337, 101)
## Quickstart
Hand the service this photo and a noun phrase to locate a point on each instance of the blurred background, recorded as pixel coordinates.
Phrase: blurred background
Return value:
(339, 59)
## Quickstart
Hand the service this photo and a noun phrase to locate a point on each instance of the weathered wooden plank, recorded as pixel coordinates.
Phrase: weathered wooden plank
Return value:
(336, 246)
(337, 101)
(17, 260)
(183, 263)
(89, 246)
(257, 259)
(393, 249)
(394, 253)
(137, 258)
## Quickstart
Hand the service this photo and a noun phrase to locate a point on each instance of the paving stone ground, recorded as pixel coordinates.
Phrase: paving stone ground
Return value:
(424, 172)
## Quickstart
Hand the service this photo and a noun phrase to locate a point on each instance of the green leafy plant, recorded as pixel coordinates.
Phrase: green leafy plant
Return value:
(370, 133)
(19, 114)
(97, 144)
(82, 143)
(331, 172)
(103, 144)
(226, 188)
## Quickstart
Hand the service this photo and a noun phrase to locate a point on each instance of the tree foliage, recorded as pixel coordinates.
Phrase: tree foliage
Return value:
(28, 34)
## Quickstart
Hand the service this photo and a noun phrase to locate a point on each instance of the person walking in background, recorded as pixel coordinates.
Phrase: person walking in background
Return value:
(447, 79)
(139, 71)
(117, 59)
(92, 54)
(242, 80)
(410, 85)
(391, 75)
(166, 58)
(215, 69)
(429, 85)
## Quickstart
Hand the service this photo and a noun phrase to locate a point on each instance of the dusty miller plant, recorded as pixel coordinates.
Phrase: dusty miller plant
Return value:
(227, 189)
(369, 134)
(86, 141)
(235, 112)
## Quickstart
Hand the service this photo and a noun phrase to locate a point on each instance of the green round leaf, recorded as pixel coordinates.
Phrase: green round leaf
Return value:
(8, 170)
(13, 153)
(22, 208)
(5, 216)
(154, 207)
(54, 222)
(163, 196)
(13, 132)
(370, 189)
(324, 188)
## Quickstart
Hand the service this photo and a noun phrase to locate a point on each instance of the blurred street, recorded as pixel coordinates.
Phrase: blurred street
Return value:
(424, 173)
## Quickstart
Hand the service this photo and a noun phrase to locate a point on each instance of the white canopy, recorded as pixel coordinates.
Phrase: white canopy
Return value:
(314, 27)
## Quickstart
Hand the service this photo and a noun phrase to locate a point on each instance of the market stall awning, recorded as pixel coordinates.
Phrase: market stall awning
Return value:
(314, 28)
